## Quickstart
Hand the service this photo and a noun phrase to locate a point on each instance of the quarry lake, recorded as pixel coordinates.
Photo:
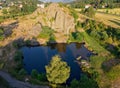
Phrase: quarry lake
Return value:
(39, 56)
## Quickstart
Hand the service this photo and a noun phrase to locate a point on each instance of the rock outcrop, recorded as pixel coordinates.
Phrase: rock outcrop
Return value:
(57, 18)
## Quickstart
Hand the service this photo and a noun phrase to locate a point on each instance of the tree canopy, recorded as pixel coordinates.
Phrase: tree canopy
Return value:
(57, 71)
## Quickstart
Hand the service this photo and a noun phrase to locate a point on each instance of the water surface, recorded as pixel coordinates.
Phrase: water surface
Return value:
(39, 56)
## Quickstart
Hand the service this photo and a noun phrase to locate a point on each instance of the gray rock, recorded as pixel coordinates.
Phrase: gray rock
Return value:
(57, 18)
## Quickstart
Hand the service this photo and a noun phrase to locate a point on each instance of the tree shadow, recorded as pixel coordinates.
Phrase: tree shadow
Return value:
(117, 19)
(109, 64)
(7, 52)
(113, 49)
(118, 23)
(8, 28)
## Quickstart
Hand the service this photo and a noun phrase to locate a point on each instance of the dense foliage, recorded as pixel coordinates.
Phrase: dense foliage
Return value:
(84, 82)
(90, 12)
(96, 3)
(1, 34)
(76, 37)
(47, 33)
(57, 71)
(39, 76)
(27, 6)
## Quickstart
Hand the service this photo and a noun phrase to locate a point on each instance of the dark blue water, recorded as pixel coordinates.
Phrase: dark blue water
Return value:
(38, 57)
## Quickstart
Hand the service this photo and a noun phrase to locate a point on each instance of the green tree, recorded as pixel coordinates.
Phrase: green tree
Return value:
(90, 12)
(22, 72)
(84, 82)
(29, 6)
(42, 77)
(57, 71)
(74, 84)
(34, 73)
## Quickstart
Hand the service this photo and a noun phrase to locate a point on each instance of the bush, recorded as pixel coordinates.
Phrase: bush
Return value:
(2, 65)
(18, 59)
(90, 12)
(84, 82)
(34, 73)
(42, 77)
(4, 11)
(22, 72)
(46, 32)
(52, 38)
(1, 34)
(76, 37)
(18, 56)
(27, 42)
(74, 84)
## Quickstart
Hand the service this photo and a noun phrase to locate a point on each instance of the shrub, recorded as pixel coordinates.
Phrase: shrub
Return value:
(76, 37)
(52, 38)
(84, 82)
(4, 11)
(46, 32)
(27, 42)
(1, 34)
(42, 77)
(90, 12)
(22, 72)
(18, 56)
(74, 84)
(34, 73)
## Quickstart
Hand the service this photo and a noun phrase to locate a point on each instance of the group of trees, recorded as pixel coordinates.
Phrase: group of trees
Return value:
(76, 37)
(84, 82)
(27, 6)
(38, 76)
(96, 3)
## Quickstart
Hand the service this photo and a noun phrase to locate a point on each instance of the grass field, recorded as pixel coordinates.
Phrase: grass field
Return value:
(115, 11)
(108, 19)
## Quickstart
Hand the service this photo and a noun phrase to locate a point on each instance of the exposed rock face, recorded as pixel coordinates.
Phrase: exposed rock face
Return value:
(35, 30)
(57, 18)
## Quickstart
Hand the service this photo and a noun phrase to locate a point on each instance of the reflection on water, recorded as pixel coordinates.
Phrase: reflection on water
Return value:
(38, 57)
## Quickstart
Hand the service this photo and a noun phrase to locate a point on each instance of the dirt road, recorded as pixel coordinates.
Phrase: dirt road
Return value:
(16, 83)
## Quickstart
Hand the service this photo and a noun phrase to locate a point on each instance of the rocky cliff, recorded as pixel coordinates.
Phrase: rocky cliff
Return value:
(56, 17)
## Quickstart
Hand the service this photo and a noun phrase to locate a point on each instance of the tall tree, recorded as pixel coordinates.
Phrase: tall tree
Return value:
(57, 71)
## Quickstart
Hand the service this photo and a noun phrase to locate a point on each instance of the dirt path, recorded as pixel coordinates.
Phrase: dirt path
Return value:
(16, 83)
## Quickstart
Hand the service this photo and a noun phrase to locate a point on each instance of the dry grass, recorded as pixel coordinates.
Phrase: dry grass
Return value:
(1, 13)
(108, 19)
(110, 11)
